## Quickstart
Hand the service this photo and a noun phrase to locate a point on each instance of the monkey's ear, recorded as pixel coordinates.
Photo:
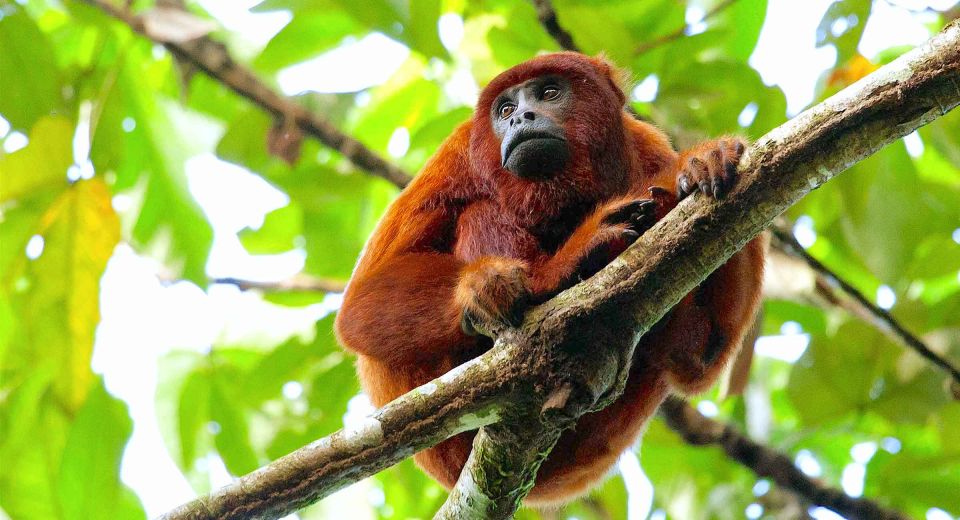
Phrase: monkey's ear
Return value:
(619, 78)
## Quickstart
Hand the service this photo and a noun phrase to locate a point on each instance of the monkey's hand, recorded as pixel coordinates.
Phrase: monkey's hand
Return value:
(493, 291)
(710, 167)
(623, 221)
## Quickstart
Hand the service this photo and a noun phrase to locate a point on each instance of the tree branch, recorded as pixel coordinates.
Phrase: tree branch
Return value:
(212, 58)
(462, 400)
(859, 305)
(699, 430)
(548, 18)
(570, 355)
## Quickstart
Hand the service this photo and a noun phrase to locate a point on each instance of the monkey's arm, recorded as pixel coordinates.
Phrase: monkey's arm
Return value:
(409, 292)
(602, 236)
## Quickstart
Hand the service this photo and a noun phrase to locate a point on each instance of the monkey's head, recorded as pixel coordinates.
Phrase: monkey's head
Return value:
(548, 116)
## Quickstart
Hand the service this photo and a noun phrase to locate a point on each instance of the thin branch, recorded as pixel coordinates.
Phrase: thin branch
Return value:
(548, 18)
(298, 283)
(860, 305)
(212, 58)
(552, 364)
(682, 31)
(699, 430)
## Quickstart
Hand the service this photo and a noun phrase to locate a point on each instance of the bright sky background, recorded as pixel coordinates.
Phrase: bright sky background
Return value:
(143, 319)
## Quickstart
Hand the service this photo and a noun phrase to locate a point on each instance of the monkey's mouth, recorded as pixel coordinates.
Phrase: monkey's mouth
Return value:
(531, 143)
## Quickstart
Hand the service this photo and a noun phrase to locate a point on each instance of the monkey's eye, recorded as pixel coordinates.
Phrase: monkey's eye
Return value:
(551, 92)
(506, 109)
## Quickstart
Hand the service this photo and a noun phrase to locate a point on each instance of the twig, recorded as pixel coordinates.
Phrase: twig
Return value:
(860, 305)
(299, 283)
(548, 18)
(679, 33)
(212, 58)
(699, 430)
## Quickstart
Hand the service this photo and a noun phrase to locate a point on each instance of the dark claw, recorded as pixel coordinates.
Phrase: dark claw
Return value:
(731, 171)
(657, 191)
(629, 211)
(630, 235)
(515, 319)
(684, 186)
(705, 187)
(717, 188)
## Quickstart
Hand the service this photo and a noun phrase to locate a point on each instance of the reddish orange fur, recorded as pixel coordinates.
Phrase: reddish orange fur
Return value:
(468, 233)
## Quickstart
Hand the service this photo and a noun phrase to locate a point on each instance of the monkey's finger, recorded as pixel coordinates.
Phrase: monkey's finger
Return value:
(657, 193)
(704, 186)
(625, 212)
(683, 186)
(629, 236)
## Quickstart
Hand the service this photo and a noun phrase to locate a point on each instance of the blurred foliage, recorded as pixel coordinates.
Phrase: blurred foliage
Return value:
(68, 73)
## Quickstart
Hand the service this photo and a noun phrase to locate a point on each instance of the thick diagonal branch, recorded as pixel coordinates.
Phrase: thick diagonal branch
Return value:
(668, 261)
(212, 58)
(551, 367)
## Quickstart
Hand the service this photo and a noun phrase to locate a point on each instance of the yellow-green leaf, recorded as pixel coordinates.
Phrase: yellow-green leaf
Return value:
(61, 303)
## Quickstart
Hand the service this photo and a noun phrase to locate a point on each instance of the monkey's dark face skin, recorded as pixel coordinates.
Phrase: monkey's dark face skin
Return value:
(528, 120)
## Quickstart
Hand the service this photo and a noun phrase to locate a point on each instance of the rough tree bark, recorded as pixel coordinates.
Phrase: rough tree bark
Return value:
(568, 356)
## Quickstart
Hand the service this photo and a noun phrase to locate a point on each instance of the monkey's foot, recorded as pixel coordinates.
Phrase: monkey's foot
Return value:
(493, 291)
(710, 167)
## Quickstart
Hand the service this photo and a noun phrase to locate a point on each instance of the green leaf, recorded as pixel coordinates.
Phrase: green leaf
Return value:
(422, 29)
(915, 482)
(42, 163)
(850, 16)
(338, 216)
(279, 231)
(944, 135)
(307, 35)
(31, 81)
(193, 414)
(741, 24)
(31, 460)
(829, 382)
(232, 438)
(712, 108)
(126, 153)
(885, 212)
(169, 211)
(89, 480)
(435, 130)
(408, 104)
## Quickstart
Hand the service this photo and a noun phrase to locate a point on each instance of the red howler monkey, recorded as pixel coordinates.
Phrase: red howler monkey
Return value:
(549, 181)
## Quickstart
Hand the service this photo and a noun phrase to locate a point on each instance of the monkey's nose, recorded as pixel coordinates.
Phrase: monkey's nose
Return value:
(529, 116)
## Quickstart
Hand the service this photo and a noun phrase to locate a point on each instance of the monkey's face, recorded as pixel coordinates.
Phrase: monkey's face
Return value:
(528, 119)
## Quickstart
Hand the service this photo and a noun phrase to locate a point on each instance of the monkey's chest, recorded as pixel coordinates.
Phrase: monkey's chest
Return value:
(485, 229)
